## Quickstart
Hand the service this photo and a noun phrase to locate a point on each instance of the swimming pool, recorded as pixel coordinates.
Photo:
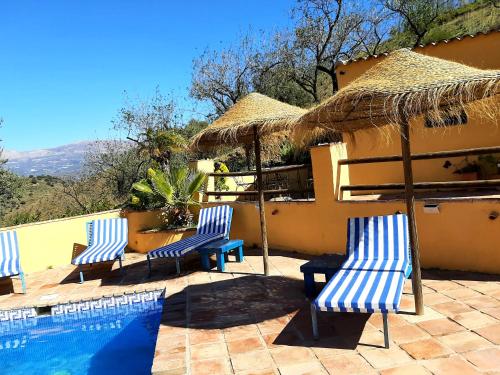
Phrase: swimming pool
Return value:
(109, 339)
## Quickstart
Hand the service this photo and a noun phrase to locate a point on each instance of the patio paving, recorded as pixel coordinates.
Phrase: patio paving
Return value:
(240, 322)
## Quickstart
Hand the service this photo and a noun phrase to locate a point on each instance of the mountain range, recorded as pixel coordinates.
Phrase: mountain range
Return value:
(63, 160)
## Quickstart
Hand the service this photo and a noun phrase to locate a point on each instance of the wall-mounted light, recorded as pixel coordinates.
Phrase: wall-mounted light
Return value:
(447, 164)
(431, 208)
(493, 215)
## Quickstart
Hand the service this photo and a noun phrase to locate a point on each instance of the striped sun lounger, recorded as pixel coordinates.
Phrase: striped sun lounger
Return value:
(10, 264)
(372, 277)
(214, 224)
(107, 239)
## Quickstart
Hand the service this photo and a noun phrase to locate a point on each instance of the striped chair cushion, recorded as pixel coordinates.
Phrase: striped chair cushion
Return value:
(215, 220)
(378, 237)
(214, 223)
(184, 246)
(362, 291)
(108, 238)
(9, 254)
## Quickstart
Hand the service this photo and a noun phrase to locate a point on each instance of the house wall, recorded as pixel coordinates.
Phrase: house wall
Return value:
(460, 237)
(50, 243)
(481, 51)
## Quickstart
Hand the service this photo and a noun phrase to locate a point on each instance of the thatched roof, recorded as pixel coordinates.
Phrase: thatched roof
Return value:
(404, 85)
(237, 124)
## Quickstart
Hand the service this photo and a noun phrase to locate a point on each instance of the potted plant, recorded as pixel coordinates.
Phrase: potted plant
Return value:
(172, 195)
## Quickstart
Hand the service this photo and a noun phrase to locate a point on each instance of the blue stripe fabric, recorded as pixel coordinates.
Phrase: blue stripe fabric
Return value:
(378, 261)
(107, 241)
(214, 223)
(10, 264)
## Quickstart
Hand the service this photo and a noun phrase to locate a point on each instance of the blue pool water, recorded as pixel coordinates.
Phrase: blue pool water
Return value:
(120, 340)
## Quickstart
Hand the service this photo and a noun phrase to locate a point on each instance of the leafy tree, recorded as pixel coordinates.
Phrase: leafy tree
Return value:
(174, 192)
(418, 16)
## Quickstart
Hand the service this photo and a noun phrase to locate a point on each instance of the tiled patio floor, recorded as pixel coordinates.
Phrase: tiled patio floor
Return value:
(243, 323)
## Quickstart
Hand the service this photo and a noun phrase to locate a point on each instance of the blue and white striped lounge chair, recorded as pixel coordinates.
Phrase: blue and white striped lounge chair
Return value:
(107, 240)
(372, 277)
(214, 224)
(10, 264)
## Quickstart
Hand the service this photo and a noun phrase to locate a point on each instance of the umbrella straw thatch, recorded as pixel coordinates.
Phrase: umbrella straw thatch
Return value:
(404, 85)
(251, 118)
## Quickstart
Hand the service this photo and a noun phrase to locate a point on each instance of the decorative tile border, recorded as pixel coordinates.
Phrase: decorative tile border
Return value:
(133, 301)
(15, 314)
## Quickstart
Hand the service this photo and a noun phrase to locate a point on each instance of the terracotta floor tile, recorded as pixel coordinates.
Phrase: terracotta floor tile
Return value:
(413, 369)
(490, 333)
(269, 371)
(451, 308)
(474, 319)
(257, 360)
(245, 345)
(205, 336)
(407, 333)
(306, 368)
(207, 351)
(481, 302)
(426, 349)
(492, 311)
(441, 285)
(431, 299)
(347, 364)
(451, 365)
(286, 356)
(384, 358)
(240, 332)
(486, 359)
(461, 293)
(464, 341)
(395, 320)
(440, 327)
(211, 367)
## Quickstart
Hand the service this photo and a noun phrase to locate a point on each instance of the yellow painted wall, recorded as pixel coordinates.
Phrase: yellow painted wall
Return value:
(482, 51)
(50, 243)
(460, 237)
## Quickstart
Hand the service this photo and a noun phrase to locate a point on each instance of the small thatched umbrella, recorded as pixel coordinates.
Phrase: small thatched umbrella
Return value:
(404, 85)
(251, 118)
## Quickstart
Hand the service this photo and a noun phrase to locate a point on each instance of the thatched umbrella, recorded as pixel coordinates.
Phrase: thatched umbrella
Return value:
(404, 85)
(251, 118)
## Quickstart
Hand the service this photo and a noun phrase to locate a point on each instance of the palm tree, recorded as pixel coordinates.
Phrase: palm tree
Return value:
(174, 192)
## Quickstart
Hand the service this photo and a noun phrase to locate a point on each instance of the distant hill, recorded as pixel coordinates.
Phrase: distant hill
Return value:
(64, 160)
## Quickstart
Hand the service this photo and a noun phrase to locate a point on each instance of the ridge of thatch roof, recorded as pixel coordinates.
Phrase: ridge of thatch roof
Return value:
(237, 124)
(404, 85)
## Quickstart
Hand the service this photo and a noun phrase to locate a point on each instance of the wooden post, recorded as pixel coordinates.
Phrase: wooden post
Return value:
(260, 189)
(410, 208)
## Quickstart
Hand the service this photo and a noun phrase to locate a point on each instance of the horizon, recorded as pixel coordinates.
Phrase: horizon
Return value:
(68, 65)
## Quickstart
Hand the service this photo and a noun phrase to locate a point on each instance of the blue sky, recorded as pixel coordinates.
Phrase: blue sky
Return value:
(64, 65)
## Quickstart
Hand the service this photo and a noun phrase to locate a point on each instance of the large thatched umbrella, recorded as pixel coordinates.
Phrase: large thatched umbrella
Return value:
(251, 118)
(404, 85)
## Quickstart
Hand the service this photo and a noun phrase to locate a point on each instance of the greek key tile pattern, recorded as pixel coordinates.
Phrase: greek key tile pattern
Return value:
(22, 313)
(135, 301)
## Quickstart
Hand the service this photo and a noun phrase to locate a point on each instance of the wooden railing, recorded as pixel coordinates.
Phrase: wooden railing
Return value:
(423, 185)
(306, 192)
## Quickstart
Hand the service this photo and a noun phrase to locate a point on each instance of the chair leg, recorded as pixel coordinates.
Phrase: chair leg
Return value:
(120, 263)
(239, 254)
(386, 330)
(178, 265)
(221, 265)
(81, 273)
(149, 265)
(314, 320)
(23, 282)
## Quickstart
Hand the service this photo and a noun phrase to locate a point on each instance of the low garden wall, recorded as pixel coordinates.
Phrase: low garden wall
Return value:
(50, 243)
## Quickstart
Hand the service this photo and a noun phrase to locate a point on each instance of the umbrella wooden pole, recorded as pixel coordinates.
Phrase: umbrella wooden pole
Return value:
(410, 208)
(260, 189)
